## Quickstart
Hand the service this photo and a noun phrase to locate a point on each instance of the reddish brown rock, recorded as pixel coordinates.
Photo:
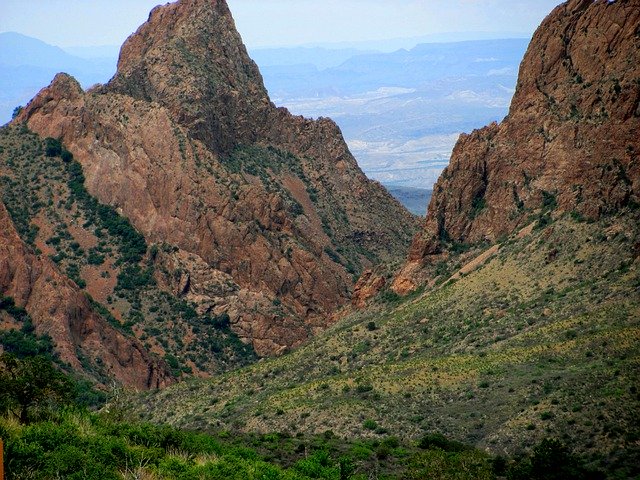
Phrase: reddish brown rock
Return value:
(368, 286)
(570, 139)
(161, 143)
(59, 309)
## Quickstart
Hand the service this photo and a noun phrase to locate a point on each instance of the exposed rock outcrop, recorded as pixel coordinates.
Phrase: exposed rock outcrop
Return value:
(59, 309)
(368, 286)
(185, 142)
(570, 141)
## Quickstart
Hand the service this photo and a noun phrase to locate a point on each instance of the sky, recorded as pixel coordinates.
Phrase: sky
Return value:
(262, 23)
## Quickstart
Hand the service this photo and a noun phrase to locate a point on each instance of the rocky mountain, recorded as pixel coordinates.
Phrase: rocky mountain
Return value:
(514, 326)
(253, 223)
(59, 309)
(517, 317)
(569, 142)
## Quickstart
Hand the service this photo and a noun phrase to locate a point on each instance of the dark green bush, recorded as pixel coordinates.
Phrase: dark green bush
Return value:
(437, 440)
(30, 385)
(132, 277)
(551, 460)
(370, 424)
(219, 322)
(52, 147)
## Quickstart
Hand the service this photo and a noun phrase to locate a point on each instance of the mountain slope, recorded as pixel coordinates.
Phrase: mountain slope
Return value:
(570, 137)
(83, 339)
(123, 278)
(540, 340)
(266, 216)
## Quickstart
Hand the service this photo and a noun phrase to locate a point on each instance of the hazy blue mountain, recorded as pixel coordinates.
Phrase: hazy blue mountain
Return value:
(403, 68)
(107, 52)
(320, 58)
(27, 65)
(393, 44)
(19, 50)
(400, 111)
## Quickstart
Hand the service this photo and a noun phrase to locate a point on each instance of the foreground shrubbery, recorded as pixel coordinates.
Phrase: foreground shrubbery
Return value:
(73, 444)
(49, 435)
(76, 445)
(80, 445)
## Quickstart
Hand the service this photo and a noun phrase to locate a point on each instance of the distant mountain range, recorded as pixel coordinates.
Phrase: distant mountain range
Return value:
(400, 112)
(393, 44)
(485, 60)
(27, 64)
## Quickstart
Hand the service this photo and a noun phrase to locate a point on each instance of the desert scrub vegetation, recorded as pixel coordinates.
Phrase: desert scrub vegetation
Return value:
(21, 342)
(274, 167)
(499, 359)
(48, 434)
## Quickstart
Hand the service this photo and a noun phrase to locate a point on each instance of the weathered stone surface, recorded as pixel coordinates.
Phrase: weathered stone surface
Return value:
(157, 142)
(58, 308)
(571, 136)
(368, 286)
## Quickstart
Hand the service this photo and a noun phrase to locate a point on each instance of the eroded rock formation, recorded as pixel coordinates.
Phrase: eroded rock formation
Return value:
(58, 308)
(569, 143)
(269, 213)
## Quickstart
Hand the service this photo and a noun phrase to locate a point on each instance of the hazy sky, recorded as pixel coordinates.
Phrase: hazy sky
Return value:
(278, 22)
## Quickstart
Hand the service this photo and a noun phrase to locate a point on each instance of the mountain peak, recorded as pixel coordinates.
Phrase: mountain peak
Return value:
(190, 58)
(267, 216)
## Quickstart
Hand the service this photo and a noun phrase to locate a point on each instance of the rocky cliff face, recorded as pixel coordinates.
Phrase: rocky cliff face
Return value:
(569, 144)
(268, 215)
(59, 309)
(189, 58)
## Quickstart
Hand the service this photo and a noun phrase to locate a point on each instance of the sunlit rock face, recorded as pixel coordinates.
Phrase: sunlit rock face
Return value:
(269, 214)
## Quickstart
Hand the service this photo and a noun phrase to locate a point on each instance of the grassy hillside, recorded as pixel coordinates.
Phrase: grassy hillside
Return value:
(48, 435)
(539, 341)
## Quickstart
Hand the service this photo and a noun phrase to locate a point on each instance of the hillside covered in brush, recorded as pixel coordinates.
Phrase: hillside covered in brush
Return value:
(168, 229)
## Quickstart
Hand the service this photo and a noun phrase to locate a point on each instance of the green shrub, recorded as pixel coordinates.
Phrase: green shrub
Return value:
(370, 424)
(546, 416)
(364, 388)
(94, 258)
(551, 460)
(390, 297)
(23, 345)
(31, 384)
(442, 465)
(52, 147)
(437, 440)
(133, 277)
(478, 204)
